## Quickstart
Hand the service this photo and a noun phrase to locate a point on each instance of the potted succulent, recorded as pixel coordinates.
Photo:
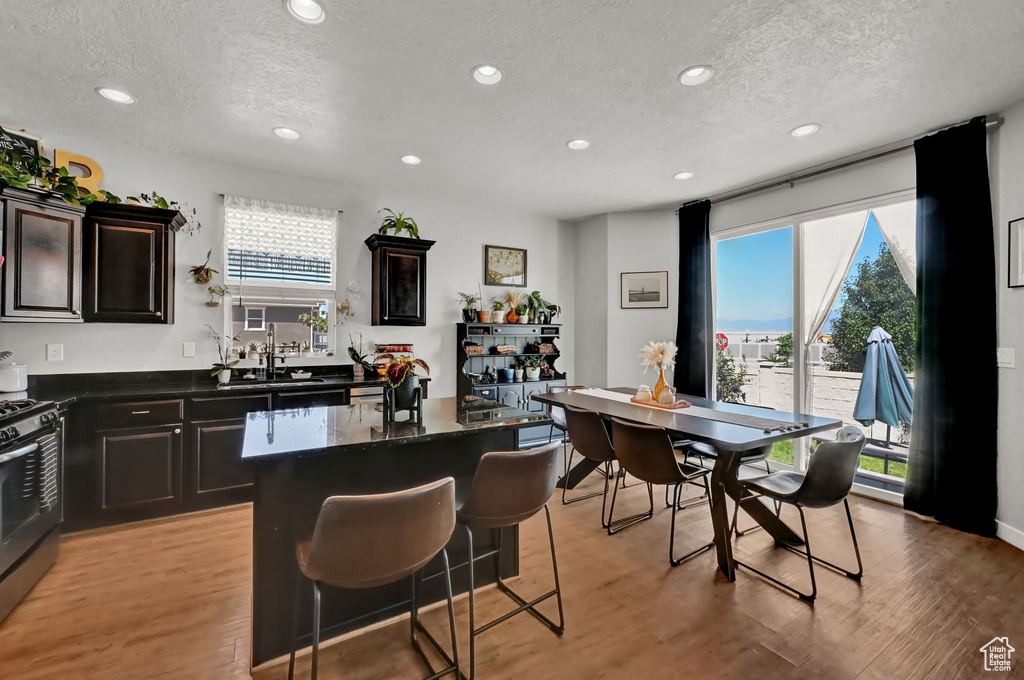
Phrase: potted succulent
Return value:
(533, 366)
(522, 310)
(399, 222)
(307, 349)
(216, 294)
(223, 368)
(401, 378)
(497, 309)
(203, 273)
(254, 349)
(517, 372)
(468, 306)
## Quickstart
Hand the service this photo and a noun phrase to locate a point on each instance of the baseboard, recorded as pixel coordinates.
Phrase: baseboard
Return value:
(1014, 537)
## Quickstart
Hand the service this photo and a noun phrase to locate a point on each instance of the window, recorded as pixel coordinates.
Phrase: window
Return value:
(795, 301)
(255, 318)
(281, 270)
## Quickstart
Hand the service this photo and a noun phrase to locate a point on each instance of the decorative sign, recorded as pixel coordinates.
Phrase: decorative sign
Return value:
(504, 266)
(20, 143)
(721, 342)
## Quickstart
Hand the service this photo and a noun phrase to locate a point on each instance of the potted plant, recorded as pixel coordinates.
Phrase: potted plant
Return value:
(522, 310)
(216, 294)
(539, 305)
(468, 306)
(533, 366)
(307, 349)
(223, 368)
(399, 222)
(355, 352)
(517, 371)
(400, 374)
(497, 307)
(254, 349)
(203, 273)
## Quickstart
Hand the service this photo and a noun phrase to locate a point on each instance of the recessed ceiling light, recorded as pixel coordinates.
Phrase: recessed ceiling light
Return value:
(804, 130)
(577, 144)
(116, 95)
(695, 75)
(683, 175)
(306, 11)
(411, 160)
(286, 133)
(486, 74)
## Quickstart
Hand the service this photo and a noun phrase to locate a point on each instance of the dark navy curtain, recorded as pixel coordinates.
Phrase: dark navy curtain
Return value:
(695, 326)
(951, 474)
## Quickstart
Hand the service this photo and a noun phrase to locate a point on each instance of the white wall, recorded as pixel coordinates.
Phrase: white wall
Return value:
(1006, 168)
(591, 349)
(455, 263)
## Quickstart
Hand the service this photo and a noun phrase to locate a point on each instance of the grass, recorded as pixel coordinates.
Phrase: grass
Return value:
(782, 452)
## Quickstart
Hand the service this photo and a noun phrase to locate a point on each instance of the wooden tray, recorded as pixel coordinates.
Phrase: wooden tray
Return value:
(679, 403)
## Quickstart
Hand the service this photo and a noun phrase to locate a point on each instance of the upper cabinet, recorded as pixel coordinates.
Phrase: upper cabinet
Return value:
(399, 280)
(129, 263)
(42, 249)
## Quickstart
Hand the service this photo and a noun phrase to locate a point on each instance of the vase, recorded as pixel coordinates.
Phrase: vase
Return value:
(358, 372)
(483, 316)
(507, 374)
(659, 386)
(405, 394)
(511, 316)
(224, 377)
(468, 315)
(532, 314)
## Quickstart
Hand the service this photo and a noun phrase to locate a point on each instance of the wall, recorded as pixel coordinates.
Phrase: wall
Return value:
(455, 263)
(591, 276)
(1006, 163)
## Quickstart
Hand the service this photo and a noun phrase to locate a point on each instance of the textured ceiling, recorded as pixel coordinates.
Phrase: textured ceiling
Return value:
(383, 78)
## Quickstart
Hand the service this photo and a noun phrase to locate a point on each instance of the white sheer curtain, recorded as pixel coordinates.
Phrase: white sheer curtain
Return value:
(898, 223)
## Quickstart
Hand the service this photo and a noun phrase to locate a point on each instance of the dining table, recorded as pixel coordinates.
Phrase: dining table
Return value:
(740, 434)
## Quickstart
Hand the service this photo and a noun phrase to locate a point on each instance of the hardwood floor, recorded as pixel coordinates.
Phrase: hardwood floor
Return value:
(170, 599)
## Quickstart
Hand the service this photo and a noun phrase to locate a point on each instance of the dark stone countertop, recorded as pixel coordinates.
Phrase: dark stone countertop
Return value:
(324, 430)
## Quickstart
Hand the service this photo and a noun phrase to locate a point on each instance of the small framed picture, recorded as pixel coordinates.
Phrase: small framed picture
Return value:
(504, 266)
(644, 290)
(1016, 278)
(20, 142)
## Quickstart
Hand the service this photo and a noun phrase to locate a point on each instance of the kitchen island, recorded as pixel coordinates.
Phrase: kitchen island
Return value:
(302, 456)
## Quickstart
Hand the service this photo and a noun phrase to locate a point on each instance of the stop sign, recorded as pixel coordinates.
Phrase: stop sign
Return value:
(721, 342)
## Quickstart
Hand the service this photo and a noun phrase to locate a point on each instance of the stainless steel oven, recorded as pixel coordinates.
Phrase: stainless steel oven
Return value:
(31, 448)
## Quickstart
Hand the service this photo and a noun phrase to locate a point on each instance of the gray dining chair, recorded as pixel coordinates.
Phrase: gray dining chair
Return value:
(827, 482)
(557, 415)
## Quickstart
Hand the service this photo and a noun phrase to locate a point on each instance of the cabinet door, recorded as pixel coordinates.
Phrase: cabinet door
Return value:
(311, 399)
(218, 474)
(139, 471)
(530, 404)
(404, 285)
(510, 395)
(129, 271)
(43, 268)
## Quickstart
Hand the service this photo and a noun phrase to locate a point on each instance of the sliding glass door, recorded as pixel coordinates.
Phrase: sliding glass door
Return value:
(795, 306)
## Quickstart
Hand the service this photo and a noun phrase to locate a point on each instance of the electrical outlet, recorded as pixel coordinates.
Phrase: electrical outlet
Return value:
(188, 349)
(55, 352)
(1005, 358)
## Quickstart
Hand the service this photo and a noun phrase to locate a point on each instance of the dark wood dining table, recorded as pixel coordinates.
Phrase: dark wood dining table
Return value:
(734, 444)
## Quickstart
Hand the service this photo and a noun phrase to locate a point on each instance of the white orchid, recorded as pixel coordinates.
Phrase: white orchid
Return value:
(660, 356)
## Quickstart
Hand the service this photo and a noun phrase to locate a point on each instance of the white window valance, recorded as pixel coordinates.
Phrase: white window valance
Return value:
(260, 226)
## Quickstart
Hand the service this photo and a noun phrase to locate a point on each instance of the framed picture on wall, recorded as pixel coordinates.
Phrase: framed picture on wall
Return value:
(504, 266)
(643, 290)
(1016, 264)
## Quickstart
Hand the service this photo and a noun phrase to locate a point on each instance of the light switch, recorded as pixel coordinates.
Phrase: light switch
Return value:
(188, 349)
(1005, 358)
(55, 352)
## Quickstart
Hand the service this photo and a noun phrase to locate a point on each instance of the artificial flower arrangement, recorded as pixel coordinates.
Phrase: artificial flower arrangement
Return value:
(660, 356)
(397, 369)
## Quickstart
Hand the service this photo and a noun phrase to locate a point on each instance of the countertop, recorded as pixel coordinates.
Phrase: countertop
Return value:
(324, 430)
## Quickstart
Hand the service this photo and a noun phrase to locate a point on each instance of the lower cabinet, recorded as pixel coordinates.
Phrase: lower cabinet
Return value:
(139, 470)
(218, 475)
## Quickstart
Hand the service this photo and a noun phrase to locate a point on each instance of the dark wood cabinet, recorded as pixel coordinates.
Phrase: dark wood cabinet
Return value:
(218, 473)
(42, 247)
(129, 263)
(399, 295)
(139, 470)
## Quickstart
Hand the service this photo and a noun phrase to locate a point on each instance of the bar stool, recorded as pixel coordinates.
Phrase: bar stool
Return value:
(373, 540)
(509, 488)
(827, 482)
(557, 415)
(646, 452)
(589, 437)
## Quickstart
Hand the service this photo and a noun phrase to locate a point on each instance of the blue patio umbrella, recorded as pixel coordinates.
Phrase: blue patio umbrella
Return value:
(885, 392)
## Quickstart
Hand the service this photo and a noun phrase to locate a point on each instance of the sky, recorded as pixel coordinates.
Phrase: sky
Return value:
(754, 278)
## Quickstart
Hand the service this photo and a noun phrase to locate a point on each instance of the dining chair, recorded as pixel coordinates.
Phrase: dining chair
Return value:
(646, 452)
(827, 482)
(368, 541)
(509, 488)
(589, 438)
(557, 415)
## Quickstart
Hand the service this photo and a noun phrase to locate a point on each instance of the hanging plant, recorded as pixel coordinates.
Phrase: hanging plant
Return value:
(203, 273)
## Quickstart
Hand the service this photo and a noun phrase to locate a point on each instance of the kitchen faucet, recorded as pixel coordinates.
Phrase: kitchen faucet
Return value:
(272, 353)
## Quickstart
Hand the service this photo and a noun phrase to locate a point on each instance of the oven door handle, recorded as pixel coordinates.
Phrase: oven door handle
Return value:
(18, 453)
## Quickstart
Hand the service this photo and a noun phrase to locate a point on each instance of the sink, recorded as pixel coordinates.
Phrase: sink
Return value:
(264, 384)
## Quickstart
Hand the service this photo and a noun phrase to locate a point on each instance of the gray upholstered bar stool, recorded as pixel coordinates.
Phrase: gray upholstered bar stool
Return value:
(590, 439)
(646, 452)
(827, 482)
(557, 415)
(373, 540)
(509, 488)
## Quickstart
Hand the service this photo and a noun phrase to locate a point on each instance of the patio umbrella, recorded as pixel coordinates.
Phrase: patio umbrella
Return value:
(885, 392)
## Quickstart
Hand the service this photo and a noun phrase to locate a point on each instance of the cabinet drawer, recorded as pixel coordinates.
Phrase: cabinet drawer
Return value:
(139, 413)
(312, 398)
(486, 392)
(216, 408)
